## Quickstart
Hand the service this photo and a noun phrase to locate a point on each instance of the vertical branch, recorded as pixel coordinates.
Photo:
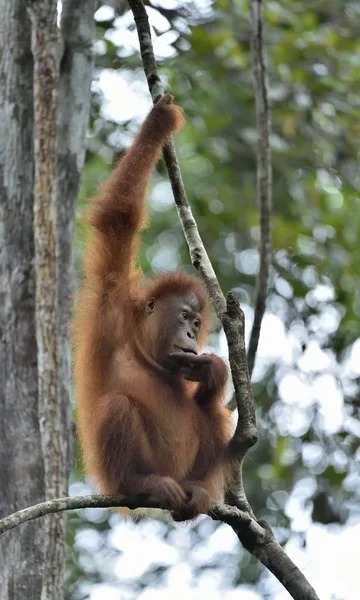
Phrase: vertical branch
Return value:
(45, 49)
(78, 33)
(198, 254)
(228, 310)
(264, 170)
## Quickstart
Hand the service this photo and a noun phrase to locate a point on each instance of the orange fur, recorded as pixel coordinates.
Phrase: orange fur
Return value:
(142, 430)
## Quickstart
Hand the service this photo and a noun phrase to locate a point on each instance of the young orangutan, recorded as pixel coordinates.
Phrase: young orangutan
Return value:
(151, 414)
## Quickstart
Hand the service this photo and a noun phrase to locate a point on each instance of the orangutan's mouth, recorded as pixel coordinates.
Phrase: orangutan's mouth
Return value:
(186, 350)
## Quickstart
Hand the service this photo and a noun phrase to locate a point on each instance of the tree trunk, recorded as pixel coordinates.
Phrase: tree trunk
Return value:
(21, 461)
(78, 33)
(35, 418)
(46, 48)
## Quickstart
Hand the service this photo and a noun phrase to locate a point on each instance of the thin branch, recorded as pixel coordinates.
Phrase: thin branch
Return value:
(198, 254)
(256, 537)
(264, 170)
(75, 503)
(227, 310)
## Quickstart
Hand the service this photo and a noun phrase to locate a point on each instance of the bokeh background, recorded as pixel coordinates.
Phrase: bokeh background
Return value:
(303, 475)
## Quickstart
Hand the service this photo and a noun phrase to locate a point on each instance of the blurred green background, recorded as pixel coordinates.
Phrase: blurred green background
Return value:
(303, 475)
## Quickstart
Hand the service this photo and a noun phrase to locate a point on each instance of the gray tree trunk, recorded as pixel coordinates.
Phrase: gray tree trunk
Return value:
(21, 461)
(45, 47)
(33, 449)
(78, 34)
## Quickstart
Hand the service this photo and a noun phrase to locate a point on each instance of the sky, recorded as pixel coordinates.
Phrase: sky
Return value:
(331, 557)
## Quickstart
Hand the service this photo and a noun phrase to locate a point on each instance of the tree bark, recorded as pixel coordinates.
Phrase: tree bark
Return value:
(35, 424)
(21, 461)
(45, 48)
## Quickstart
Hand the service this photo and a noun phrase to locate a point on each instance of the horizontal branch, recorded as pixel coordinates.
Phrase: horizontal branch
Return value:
(255, 536)
(74, 503)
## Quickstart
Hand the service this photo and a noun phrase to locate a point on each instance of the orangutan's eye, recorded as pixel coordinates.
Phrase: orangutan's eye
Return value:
(184, 315)
(150, 305)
